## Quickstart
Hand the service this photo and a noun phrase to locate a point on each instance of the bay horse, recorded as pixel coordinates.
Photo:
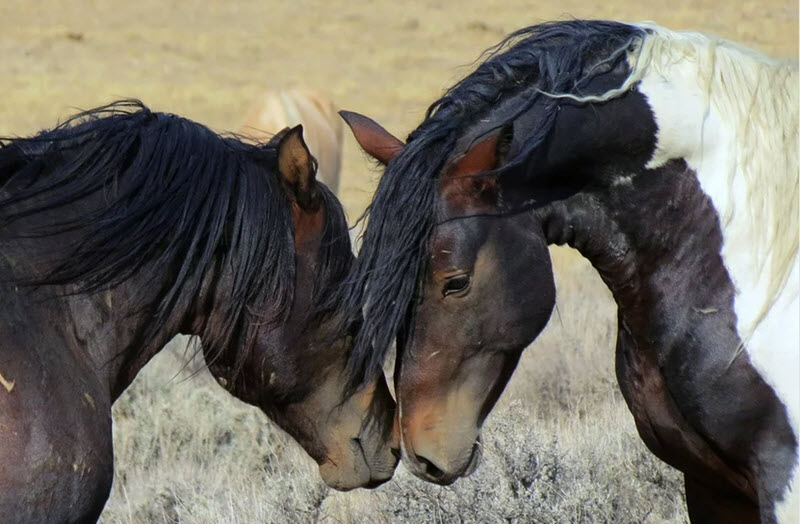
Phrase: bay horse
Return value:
(272, 111)
(123, 227)
(668, 160)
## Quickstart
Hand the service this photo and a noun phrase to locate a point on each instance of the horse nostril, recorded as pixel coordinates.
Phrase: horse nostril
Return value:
(431, 469)
(395, 452)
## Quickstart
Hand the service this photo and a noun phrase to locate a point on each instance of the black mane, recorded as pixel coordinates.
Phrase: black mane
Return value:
(134, 188)
(550, 58)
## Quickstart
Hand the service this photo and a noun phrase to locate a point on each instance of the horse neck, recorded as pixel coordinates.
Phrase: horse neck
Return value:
(655, 240)
(105, 331)
(736, 126)
(287, 359)
(114, 331)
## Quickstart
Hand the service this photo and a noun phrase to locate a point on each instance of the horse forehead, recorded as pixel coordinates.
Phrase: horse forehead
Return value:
(446, 249)
(461, 196)
(460, 245)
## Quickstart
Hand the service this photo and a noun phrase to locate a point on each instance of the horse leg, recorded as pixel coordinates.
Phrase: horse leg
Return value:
(714, 506)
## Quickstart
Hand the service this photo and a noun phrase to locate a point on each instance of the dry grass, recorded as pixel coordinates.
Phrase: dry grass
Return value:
(560, 447)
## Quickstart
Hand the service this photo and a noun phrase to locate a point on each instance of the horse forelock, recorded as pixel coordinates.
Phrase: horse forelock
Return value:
(543, 60)
(174, 196)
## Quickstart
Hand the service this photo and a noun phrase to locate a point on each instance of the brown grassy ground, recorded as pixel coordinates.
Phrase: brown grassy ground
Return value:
(560, 447)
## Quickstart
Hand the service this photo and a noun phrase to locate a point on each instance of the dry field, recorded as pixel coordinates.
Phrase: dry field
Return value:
(560, 446)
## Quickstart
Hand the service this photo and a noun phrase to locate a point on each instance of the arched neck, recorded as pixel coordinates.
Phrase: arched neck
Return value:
(655, 239)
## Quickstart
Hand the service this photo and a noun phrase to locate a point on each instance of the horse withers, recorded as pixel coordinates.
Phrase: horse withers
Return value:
(272, 111)
(667, 159)
(124, 227)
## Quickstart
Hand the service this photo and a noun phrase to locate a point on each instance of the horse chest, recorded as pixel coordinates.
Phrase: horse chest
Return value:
(660, 424)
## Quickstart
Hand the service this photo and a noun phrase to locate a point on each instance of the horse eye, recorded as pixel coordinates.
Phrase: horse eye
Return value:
(456, 284)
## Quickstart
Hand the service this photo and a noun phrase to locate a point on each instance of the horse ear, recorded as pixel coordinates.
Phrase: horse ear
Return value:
(484, 154)
(465, 194)
(298, 168)
(374, 139)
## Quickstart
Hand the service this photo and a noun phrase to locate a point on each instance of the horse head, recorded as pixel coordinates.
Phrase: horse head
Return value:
(482, 267)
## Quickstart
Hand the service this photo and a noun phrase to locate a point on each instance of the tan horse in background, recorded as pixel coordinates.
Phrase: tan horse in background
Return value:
(322, 127)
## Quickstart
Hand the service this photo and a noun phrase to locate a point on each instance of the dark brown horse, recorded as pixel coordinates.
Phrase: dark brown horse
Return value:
(124, 227)
(669, 160)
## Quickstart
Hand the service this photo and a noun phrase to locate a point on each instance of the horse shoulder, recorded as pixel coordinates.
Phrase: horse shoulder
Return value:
(265, 117)
(56, 460)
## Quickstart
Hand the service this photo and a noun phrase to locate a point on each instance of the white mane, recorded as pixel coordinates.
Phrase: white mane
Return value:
(758, 100)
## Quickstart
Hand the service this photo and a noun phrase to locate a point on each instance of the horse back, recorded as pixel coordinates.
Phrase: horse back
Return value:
(322, 127)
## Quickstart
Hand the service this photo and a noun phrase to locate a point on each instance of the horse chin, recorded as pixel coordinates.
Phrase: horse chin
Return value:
(343, 478)
(357, 470)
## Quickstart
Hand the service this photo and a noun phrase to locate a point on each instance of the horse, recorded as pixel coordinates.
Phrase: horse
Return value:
(669, 161)
(322, 127)
(123, 227)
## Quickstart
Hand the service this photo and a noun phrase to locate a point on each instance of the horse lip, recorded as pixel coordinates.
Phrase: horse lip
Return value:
(374, 482)
(418, 468)
(474, 461)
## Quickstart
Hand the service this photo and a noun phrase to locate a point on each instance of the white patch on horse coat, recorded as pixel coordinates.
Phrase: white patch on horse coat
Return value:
(8, 384)
(623, 180)
(706, 133)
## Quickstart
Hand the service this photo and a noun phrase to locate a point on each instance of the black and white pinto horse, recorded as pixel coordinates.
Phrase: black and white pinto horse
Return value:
(670, 161)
